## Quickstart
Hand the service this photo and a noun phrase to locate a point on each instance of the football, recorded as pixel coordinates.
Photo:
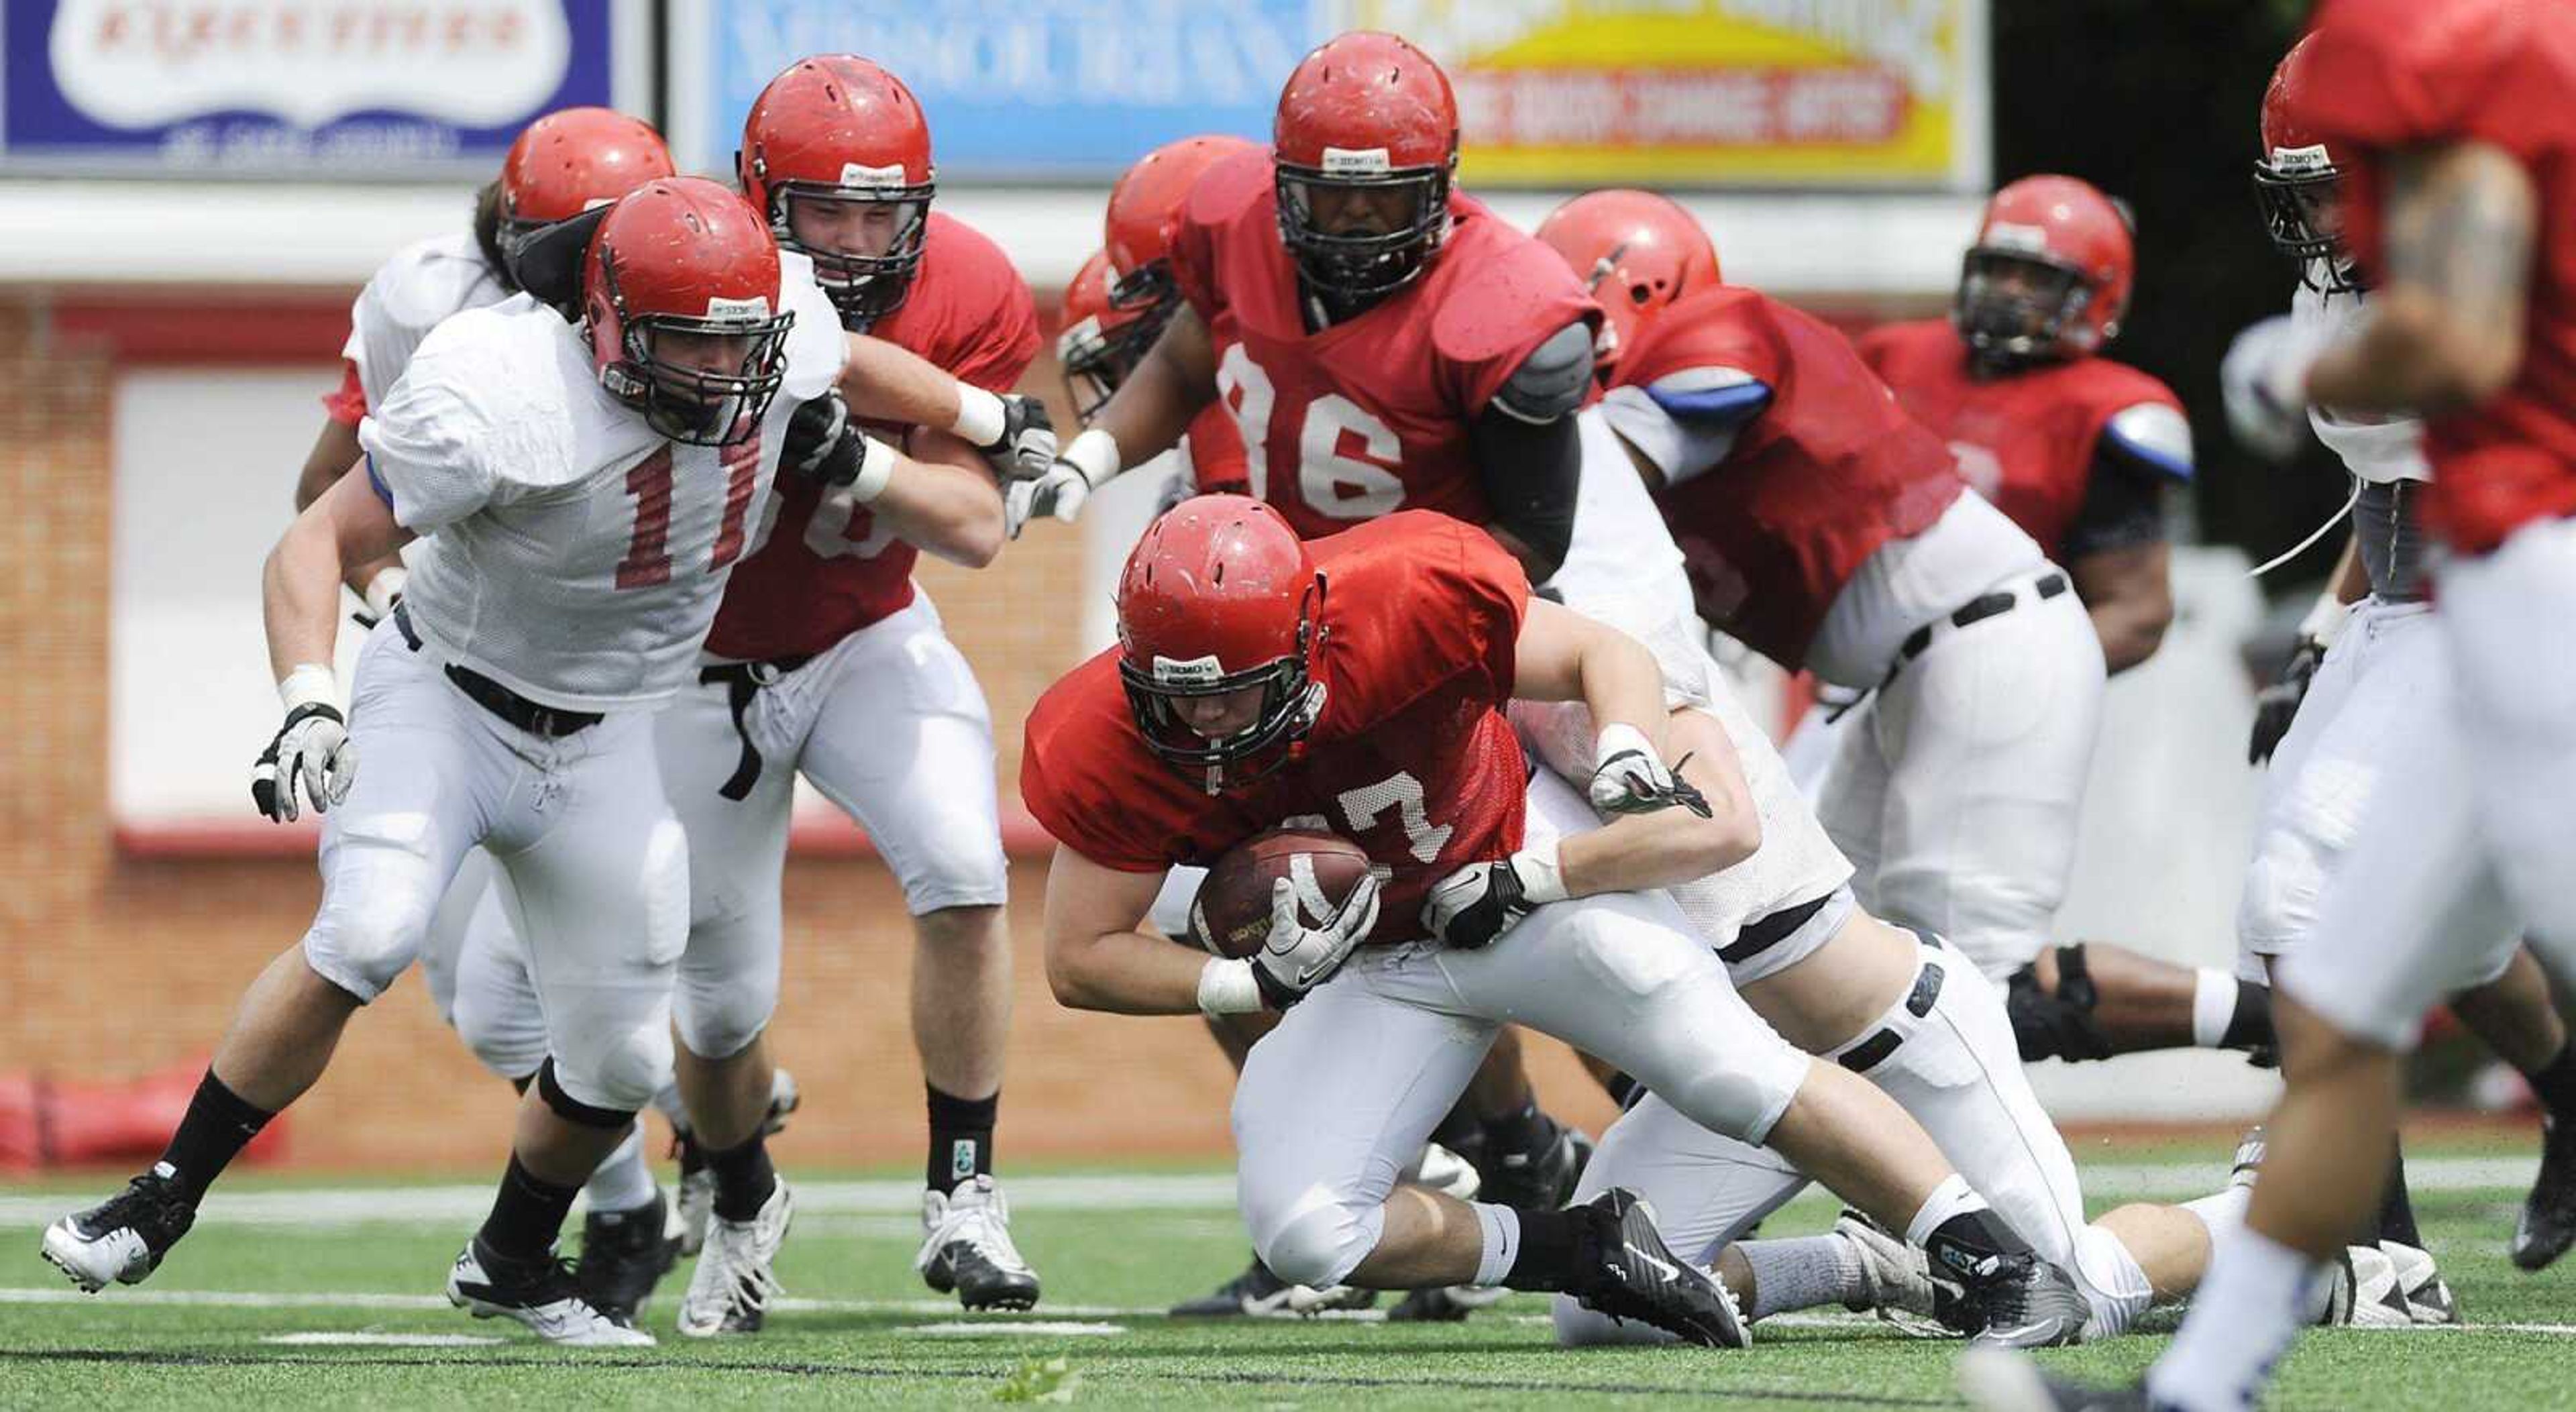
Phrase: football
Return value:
(1231, 914)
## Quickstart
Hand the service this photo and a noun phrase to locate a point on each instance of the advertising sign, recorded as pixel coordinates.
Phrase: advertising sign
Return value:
(285, 88)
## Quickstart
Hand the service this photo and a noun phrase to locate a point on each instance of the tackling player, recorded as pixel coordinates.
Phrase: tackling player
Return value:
(2447, 123)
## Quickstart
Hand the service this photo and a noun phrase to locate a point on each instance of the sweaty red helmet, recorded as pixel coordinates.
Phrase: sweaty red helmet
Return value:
(1145, 215)
(840, 146)
(1366, 141)
(683, 261)
(1220, 596)
(2049, 275)
(1100, 344)
(567, 163)
(1637, 252)
(2296, 181)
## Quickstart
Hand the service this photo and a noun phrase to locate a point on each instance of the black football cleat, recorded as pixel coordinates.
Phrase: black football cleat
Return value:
(541, 1294)
(2548, 1224)
(966, 1247)
(1624, 1269)
(2005, 1380)
(1541, 1177)
(623, 1255)
(123, 1238)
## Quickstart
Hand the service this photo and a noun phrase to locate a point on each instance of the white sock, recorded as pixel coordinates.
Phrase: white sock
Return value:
(622, 1181)
(1502, 1228)
(1803, 1272)
(1953, 1197)
(2241, 1321)
(668, 1103)
(2222, 1211)
(2213, 1004)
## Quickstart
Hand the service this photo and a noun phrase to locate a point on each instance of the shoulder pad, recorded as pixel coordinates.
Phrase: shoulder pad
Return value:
(1718, 396)
(2156, 435)
(1551, 381)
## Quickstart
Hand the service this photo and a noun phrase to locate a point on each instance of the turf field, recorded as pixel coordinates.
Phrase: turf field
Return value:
(298, 1293)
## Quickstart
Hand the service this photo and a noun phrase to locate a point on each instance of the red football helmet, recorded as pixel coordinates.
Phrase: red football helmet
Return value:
(1637, 252)
(2297, 183)
(840, 146)
(682, 280)
(1366, 142)
(1101, 342)
(2049, 275)
(564, 164)
(1220, 596)
(1145, 215)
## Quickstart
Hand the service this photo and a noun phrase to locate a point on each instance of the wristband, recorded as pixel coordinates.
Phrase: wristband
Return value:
(876, 469)
(2325, 619)
(981, 418)
(1617, 738)
(1095, 454)
(384, 588)
(310, 684)
(1542, 881)
(1228, 988)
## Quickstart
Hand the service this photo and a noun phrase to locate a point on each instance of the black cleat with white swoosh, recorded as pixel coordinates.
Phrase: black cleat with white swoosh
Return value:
(1624, 1270)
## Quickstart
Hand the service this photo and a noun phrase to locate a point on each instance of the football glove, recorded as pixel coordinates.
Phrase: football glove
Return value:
(312, 748)
(1026, 447)
(1479, 902)
(1627, 778)
(2264, 377)
(1295, 958)
(1058, 492)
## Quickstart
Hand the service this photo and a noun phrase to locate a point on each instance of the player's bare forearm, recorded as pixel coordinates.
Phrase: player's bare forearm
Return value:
(335, 454)
(943, 500)
(1563, 656)
(300, 585)
(2445, 329)
(1096, 959)
(1152, 409)
(1643, 851)
(2129, 593)
(885, 383)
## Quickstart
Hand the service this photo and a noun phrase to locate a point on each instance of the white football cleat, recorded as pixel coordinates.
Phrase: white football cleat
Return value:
(966, 1247)
(2428, 1300)
(730, 1290)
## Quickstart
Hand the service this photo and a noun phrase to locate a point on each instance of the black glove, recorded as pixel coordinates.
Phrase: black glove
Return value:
(2278, 704)
(1027, 445)
(822, 445)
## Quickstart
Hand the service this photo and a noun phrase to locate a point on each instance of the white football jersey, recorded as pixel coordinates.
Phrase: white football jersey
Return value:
(570, 552)
(2387, 450)
(409, 295)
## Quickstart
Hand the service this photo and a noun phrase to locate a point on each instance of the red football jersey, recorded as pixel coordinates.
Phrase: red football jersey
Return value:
(2025, 440)
(1370, 415)
(1410, 757)
(1830, 470)
(347, 403)
(2398, 74)
(1215, 446)
(827, 568)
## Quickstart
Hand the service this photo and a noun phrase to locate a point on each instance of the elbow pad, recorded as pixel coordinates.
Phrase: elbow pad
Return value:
(1550, 382)
(1532, 474)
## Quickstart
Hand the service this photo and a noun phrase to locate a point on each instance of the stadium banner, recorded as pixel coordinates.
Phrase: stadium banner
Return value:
(1554, 93)
(303, 88)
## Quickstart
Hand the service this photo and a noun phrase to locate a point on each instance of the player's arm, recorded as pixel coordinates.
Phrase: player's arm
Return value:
(884, 382)
(1145, 417)
(2444, 330)
(943, 500)
(300, 586)
(1529, 455)
(1096, 959)
(2116, 547)
(1685, 424)
(334, 453)
(1636, 852)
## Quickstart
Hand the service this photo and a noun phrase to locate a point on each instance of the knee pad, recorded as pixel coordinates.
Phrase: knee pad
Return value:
(372, 924)
(2059, 1025)
(719, 1016)
(510, 1044)
(1320, 1241)
(620, 1072)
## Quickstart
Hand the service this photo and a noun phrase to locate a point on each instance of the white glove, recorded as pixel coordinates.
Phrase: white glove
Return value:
(311, 749)
(1479, 902)
(2265, 378)
(1296, 958)
(1629, 778)
(1058, 493)
(1025, 448)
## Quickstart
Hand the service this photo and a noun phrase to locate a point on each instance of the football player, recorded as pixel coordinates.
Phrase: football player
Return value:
(2081, 451)
(826, 659)
(583, 493)
(2454, 150)
(1829, 531)
(1357, 685)
(1383, 341)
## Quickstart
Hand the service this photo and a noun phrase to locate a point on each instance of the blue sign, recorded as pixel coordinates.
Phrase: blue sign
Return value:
(288, 87)
(1033, 91)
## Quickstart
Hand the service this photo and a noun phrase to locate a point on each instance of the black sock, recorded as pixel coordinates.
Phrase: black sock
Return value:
(527, 1214)
(744, 1179)
(2250, 1025)
(2554, 1083)
(961, 1139)
(1524, 1129)
(219, 1123)
(1551, 1252)
(1969, 1245)
(2397, 1208)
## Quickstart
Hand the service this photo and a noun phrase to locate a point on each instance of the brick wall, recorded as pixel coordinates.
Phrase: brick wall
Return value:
(113, 966)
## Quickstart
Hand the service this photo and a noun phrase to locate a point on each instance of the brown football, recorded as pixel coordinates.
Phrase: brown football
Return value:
(1231, 914)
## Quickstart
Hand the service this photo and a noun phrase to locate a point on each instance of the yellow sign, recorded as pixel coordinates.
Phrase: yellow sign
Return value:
(1692, 92)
